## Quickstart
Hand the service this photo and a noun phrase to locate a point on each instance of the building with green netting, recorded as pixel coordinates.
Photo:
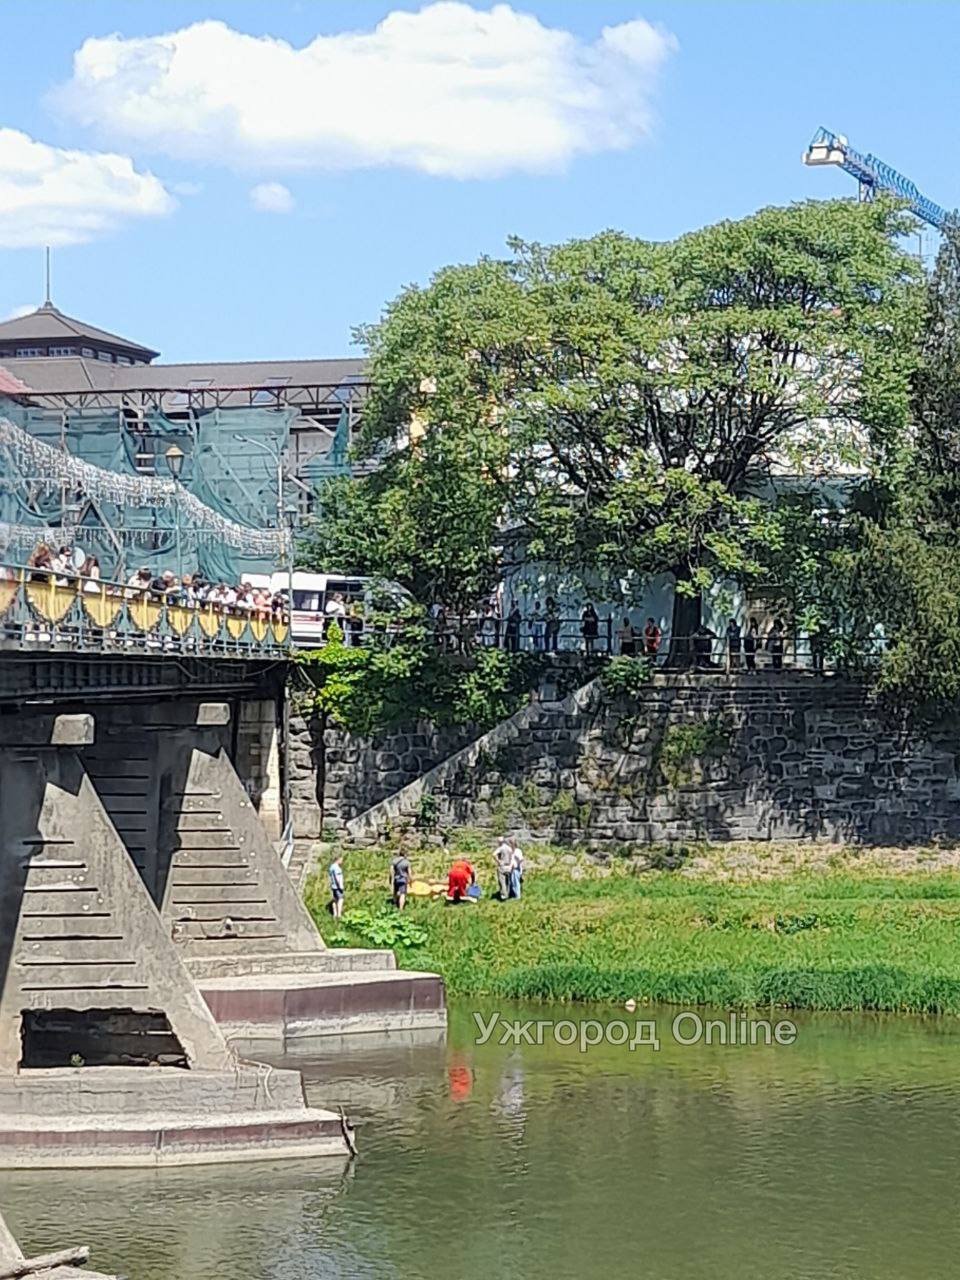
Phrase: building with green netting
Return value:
(251, 441)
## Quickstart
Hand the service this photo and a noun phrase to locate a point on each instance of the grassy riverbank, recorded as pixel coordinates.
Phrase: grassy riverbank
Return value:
(799, 927)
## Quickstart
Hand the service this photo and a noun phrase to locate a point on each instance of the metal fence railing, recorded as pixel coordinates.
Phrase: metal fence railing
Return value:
(42, 610)
(708, 651)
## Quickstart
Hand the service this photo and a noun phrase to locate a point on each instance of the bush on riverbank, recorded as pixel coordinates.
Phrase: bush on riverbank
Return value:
(854, 935)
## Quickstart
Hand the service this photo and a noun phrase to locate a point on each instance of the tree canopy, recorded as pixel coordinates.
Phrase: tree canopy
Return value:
(619, 404)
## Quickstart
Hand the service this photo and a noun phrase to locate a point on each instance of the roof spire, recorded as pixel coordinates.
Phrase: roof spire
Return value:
(46, 301)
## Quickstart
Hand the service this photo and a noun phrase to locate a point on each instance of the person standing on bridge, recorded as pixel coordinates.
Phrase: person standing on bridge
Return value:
(337, 887)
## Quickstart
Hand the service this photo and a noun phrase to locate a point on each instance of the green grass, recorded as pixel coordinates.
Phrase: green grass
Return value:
(833, 939)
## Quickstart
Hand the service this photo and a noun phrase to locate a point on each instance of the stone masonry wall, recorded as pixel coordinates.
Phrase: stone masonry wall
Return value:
(710, 757)
(335, 776)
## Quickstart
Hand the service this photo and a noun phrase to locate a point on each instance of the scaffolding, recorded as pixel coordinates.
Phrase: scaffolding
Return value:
(195, 493)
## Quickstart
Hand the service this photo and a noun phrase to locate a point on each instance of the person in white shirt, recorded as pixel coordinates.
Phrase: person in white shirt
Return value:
(337, 887)
(90, 573)
(516, 868)
(138, 583)
(335, 614)
(228, 596)
(503, 865)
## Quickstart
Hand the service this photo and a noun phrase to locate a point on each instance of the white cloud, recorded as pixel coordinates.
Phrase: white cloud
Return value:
(447, 90)
(271, 197)
(52, 196)
(25, 310)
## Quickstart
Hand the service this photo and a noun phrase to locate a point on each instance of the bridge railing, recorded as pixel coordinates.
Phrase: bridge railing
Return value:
(40, 611)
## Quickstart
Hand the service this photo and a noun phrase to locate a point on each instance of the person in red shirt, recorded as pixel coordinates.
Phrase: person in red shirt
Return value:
(461, 877)
(652, 636)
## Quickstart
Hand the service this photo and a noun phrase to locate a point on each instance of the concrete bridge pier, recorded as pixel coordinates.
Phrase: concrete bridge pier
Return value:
(108, 1054)
(240, 924)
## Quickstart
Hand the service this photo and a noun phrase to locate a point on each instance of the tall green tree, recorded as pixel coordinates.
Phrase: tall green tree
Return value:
(902, 576)
(936, 398)
(625, 405)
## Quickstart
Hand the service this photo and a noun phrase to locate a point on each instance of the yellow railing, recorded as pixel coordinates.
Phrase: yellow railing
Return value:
(37, 607)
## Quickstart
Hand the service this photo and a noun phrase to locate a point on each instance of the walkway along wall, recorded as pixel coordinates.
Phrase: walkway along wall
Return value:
(691, 757)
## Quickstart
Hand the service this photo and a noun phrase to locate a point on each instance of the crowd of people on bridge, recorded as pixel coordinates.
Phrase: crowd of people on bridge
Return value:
(73, 565)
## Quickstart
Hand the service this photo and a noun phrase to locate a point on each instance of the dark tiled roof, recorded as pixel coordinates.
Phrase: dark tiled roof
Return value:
(47, 324)
(53, 375)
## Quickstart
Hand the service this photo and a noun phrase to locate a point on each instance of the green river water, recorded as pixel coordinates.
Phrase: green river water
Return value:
(834, 1157)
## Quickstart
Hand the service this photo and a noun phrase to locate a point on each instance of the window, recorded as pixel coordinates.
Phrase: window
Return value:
(105, 355)
(87, 351)
(124, 360)
(263, 396)
(307, 600)
(23, 352)
(182, 398)
(62, 351)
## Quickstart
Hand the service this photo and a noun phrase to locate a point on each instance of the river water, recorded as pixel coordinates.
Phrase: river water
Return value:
(835, 1156)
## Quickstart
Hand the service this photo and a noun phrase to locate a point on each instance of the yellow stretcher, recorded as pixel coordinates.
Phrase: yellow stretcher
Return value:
(427, 888)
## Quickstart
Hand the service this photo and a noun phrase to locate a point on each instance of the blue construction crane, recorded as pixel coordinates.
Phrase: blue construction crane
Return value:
(874, 176)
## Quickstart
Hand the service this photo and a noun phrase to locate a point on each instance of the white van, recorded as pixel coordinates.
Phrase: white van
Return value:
(314, 592)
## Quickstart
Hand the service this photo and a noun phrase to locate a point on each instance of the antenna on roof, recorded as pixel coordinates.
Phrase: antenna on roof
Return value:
(46, 300)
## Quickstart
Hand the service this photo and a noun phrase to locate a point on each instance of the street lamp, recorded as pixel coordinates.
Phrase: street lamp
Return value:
(174, 456)
(285, 526)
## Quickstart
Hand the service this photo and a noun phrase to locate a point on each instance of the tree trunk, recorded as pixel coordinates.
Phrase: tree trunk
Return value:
(686, 619)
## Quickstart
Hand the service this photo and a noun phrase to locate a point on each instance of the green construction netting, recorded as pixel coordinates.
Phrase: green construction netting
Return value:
(230, 465)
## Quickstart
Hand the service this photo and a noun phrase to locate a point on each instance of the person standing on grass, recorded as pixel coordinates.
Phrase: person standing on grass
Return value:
(516, 868)
(336, 887)
(400, 879)
(503, 865)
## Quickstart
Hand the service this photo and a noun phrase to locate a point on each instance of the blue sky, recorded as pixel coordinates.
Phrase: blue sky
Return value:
(655, 130)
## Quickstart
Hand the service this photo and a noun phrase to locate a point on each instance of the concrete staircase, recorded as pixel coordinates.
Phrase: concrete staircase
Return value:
(404, 805)
(233, 911)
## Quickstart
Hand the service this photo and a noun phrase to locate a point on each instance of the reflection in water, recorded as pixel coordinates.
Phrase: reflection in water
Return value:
(834, 1157)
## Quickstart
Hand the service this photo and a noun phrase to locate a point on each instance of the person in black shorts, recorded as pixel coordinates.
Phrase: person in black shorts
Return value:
(400, 879)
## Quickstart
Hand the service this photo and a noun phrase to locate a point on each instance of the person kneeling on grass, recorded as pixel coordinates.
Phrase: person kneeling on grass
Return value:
(400, 879)
(461, 877)
(336, 887)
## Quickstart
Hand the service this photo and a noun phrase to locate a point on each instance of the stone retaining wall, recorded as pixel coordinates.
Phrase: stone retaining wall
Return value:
(709, 757)
(335, 776)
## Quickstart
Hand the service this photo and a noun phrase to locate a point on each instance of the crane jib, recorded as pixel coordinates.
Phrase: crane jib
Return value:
(875, 175)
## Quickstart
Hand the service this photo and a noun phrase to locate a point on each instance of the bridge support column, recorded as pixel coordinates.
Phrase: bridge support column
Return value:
(93, 991)
(245, 934)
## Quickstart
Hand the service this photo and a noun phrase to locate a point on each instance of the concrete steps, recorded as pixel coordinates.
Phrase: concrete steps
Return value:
(334, 960)
(159, 1140)
(284, 1012)
(141, 1116)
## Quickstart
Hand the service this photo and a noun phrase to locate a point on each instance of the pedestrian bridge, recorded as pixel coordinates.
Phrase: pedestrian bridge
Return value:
(38, 612)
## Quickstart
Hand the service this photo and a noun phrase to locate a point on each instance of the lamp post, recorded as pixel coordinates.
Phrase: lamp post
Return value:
(174, 456)
(285, 518)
